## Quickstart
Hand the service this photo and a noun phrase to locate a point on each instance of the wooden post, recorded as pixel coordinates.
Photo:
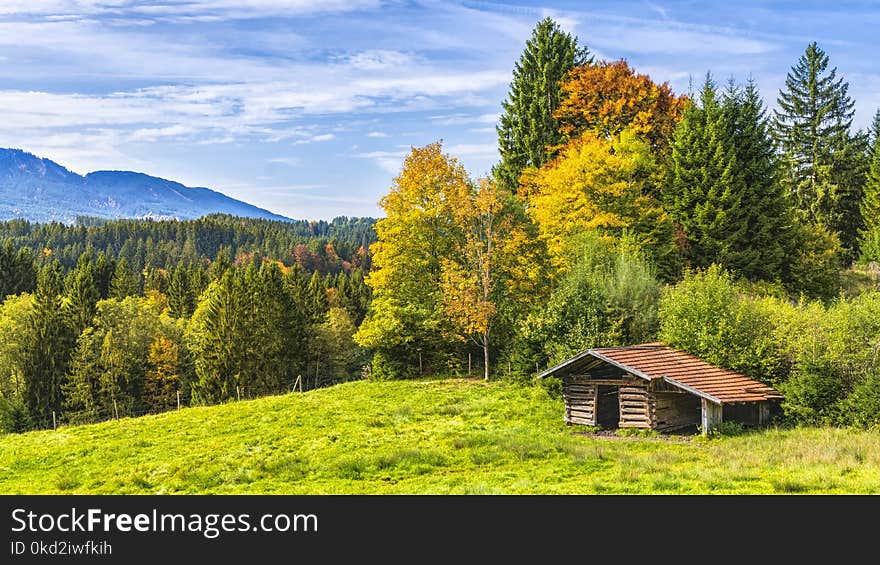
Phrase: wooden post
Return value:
(710, 415)
(115, 409)
(237, 392)
(178, 400)
(469, 364)
(54, 426)
(420, 362)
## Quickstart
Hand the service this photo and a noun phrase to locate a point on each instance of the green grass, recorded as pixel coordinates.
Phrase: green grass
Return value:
(422, 437)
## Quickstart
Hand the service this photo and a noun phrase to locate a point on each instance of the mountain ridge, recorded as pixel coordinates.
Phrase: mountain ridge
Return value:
(41, 190)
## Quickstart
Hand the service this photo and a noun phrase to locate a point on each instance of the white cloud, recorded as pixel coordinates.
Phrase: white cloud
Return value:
(377, 134)
(192, 8)
(378, 60)
(464, 119)
(389, 161)
(315, 139)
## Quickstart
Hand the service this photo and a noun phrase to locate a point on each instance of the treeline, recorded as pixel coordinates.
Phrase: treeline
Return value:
(612, 192)
(101, 341)
(329, 247)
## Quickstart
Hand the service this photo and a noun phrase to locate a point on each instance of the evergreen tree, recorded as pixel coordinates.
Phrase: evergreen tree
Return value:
(124, 282)
(765, 206)
(317, 295)
(17, 271)
(528, 132)
(722, 188)
(870, 205)
(701, 195)
(104, 269)
(83, 293)
(181, 301)
(45, 361)
(823, 161)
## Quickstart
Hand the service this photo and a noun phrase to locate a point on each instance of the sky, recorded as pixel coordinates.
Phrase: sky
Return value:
(308, 107)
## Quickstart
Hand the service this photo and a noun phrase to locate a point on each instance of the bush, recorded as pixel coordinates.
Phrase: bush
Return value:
(608, 298)
(711, 316)
(14, 416)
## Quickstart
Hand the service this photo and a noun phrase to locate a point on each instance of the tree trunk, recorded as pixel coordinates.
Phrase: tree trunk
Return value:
(486, 356)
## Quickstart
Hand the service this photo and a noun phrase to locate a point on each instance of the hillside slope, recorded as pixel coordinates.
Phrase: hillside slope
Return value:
(41, 190)
(421, 437)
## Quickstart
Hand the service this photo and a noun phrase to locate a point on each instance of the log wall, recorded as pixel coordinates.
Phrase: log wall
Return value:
(674, 410)
(580, 401)
(635, 406)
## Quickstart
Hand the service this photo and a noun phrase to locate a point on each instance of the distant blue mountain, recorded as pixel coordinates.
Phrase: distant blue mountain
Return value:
(41, 190)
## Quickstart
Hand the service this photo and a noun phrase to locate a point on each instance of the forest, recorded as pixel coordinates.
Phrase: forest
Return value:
(620, 212)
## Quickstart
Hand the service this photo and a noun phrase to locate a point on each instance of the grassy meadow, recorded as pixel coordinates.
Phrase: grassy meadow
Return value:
(448, 436)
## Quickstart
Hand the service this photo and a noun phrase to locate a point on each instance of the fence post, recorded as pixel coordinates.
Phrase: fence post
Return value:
(237, 392)
(178, 400)
(115, 409)
(54, 426)
(469, 364)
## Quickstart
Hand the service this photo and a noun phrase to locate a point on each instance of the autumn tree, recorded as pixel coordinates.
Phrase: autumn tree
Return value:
(453, 258)
(162, 377)
(603, 185)
(528, 131)
(406, 318)
(608, 97)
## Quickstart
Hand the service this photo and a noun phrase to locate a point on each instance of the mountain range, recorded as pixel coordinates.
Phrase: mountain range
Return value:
(40, 190)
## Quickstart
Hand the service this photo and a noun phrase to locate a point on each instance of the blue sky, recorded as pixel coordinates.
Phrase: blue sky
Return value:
(308, 107)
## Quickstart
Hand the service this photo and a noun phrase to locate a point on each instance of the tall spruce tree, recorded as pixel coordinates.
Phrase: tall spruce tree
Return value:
(84, 293)
(45, 361)
(124, 282)
(870, 205)
(528, 130)
(766, 207)
(721, 187)
(823, 160)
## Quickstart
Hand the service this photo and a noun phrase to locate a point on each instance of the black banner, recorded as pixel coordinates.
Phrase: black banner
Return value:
(330, 529)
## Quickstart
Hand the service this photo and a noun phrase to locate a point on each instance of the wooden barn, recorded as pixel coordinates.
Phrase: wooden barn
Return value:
(660, 388)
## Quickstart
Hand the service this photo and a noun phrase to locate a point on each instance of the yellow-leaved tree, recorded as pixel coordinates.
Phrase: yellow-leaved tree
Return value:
(453, 257)
(599, 183)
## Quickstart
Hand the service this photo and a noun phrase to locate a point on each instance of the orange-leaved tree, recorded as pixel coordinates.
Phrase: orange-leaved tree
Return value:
(610, 96)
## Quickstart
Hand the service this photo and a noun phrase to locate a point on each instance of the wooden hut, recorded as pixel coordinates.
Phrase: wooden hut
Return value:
(656, 387)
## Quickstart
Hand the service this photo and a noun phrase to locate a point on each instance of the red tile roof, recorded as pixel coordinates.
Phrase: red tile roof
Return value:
(654, 361)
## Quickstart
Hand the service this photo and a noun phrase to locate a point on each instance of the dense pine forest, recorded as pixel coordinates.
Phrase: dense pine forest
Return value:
(620, 212)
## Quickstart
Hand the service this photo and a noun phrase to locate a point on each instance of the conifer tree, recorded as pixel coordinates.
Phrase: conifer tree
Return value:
(124, 282)
(181, 301)
(528, 132)
(722, 189)
(17, 271)
(317, 294)
(45, 361)
(83, 293)
(823, 161)
(870, 205)
(766, 207)
(700, 193)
